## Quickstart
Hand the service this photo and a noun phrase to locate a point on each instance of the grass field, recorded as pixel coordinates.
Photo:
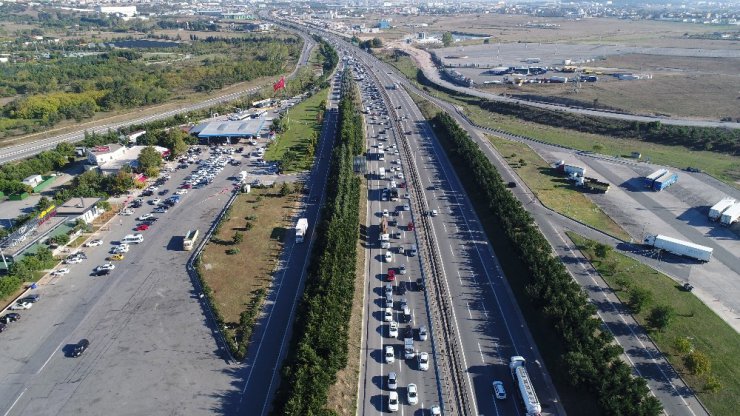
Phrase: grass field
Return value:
(693, 320)
(724, 167)
(303, 124)
(553, 190)
(235, 278)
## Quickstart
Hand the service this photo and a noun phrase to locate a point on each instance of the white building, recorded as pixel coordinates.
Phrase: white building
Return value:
(111, 158)
(33, 180)
(101, 154)
(124, 11)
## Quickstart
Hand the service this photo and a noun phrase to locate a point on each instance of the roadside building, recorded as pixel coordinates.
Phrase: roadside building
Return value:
(111, 158)
(224, 130)
(33, 180)
(85, 209)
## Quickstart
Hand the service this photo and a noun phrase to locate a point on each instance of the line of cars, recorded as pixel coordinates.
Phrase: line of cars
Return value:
(377, 114)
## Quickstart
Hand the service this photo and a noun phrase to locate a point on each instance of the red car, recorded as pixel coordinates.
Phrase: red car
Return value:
(391, 275)
(411, 226)
(187, 186)
(142, 227)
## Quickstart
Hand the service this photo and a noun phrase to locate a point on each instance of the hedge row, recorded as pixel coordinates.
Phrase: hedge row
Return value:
(319, 347)
(589, 355)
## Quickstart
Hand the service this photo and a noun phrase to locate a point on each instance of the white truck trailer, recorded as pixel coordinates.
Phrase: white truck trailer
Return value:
(717, 209)
(730, 215)
(524, 384)
(679, 247)
(300, 229)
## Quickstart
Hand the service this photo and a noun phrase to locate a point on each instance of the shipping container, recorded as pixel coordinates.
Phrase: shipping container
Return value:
(715, 212)
(730, 215)
(680, 247)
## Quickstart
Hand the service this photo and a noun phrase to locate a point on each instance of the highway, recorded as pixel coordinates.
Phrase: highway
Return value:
(272, 334)
(26, 150)
(487, 322)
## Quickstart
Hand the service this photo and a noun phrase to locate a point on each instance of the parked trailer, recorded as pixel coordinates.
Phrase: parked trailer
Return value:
(189, 241)
(648, 181)
(300, 229)
(524, 384)
(668, 179)
(717, 209)
(730, 215)
(570, 170)
(680, 247)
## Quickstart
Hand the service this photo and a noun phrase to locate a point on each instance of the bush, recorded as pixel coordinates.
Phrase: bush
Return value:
(232, 251)
(660, 317)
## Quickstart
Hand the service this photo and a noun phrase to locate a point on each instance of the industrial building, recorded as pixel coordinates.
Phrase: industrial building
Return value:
(226, 130)
(111, 158)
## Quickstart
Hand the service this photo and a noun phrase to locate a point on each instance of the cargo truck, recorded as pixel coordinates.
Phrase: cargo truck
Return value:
(524, 385)
(381, 172)
(715, 212)
(189, 240)
(730, 215)
(592, 184)
(664, 181)
(679, 247)
(300, 229)
(648, 180)
(570, 170)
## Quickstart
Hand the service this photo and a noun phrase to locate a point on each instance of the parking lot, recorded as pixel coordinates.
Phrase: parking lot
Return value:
(151, 346)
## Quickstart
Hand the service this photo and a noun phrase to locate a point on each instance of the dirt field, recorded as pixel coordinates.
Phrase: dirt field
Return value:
(234, 278)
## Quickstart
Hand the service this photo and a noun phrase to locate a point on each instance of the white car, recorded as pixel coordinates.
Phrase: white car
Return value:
(145, 217)
(498, 390)
(436, 411)
(433, 213)
(392, 381)
(72, 260)
(393, 401)
(388, 256)
(20, 306)
(94, 243)
(412, 394)
(60, 272)
(181, 192)
(385, 213)
(423, 358)
(393, 329)
(423, 333)
(156, 201)
(389, 354)
(127, 211)
(122, 248)
(388, 315)
(406, 207)
(402, 269)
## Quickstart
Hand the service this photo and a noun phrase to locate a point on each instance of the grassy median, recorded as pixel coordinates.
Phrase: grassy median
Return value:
(694, 326)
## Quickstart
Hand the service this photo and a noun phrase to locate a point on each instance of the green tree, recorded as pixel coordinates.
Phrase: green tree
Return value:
(175, 140)
(447, 39)
(602, 250)
(660, 317)
(713, 385)
(683, 345)
(698, 363)
(285, 189)
(638, 298)
(43, 203)
(149, 161)
(237, 238)
(121, 182)
(377, 43)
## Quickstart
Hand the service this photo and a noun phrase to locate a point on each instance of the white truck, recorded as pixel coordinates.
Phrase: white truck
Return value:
(524, 384)
(730, 215)
(381, 172)
(300, 229)
(715, 212)
(242, 176)
(133, 239)
(679, 247)
(189, 240)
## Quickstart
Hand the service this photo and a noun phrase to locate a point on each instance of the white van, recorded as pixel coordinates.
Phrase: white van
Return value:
(133, 239)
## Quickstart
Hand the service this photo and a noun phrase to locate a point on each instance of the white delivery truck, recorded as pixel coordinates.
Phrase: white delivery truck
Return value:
(730, 215)
(133, 239)
(300, 229)
(679, 247)
(715, 212)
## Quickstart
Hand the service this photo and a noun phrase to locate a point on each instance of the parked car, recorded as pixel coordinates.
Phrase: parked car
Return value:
(389, 354)
(2, 327)
(101, 272)
(116, 257)
(388, 314)
(10, 317)
(20, 305)
(142, 227)
(60, 272)
(72, 260)
(423, 358)
(423, 334)
(106, 266)
(80, 347)
(94, 243)
(393, 329)
(391, 275)
(32, 298)
(393, 402)
(145, 217)
(402, 269)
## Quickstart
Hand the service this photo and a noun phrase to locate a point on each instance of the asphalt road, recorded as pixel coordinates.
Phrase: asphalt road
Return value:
(488, 321)
(273, 332)
(26, 150)
(153, 350)
(373, 390)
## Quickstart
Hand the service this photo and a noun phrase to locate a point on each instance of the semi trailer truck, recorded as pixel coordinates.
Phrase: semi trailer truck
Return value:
(680, 247)
(730, 215)
(517, 365)
(715, 212)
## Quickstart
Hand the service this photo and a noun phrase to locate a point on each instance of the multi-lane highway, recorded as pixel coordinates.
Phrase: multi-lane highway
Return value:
(28, 149)
(486, 323)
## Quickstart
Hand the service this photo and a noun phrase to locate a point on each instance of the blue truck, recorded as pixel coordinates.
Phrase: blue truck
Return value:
(666, 180)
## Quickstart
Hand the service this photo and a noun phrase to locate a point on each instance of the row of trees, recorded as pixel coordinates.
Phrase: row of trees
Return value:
(319, 348)
(695, 138)
(588, 353)
(22, 270)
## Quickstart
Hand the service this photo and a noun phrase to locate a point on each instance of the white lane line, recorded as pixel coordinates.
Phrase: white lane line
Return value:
(15, 401)
(459, 277)
(470, 314)
(482, 359)
(50, 357)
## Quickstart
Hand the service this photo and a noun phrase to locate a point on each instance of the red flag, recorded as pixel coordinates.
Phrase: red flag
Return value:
(279, 85)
